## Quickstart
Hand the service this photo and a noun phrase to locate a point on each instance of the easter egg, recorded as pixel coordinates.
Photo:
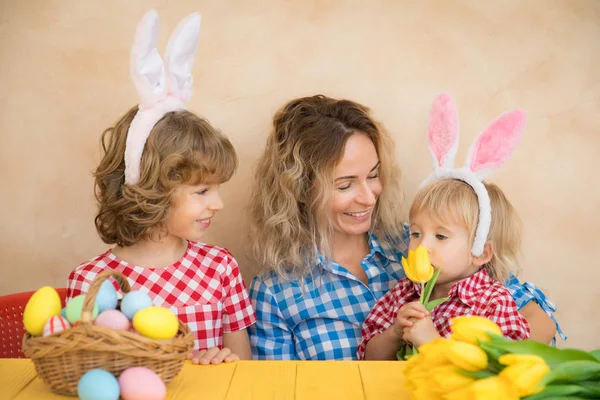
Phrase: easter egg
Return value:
(139, 383)
(44, 304)
(55, 324)
(75, 306)
(63, 312)
(113, 319)
(98, 384)
(106, 297)
(156, 323)
(134, 302)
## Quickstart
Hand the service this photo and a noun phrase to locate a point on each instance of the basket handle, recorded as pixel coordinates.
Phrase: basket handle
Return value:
(90, 297)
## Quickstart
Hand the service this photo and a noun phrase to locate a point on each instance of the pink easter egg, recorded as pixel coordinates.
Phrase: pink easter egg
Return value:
(113, 319)
(139, 383)
(55, 324)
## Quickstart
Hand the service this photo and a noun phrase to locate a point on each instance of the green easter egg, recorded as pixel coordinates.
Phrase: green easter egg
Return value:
(74, 308)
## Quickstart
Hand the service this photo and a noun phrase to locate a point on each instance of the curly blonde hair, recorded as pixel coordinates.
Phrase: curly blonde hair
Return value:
(181, 149)
(453, 200)
(290, 201)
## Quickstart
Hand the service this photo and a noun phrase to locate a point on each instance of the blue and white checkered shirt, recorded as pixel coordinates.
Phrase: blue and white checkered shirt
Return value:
(323, 320)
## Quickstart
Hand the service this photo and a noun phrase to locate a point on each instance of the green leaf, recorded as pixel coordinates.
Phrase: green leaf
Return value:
(551, 355)
(573, 371)
(477, 375)
(556, 390)
(429, 287)
(401, 354)
(596, 354)
(586, 390)
(563, 398)
(592, 386)
(493, 353)
(434, 303)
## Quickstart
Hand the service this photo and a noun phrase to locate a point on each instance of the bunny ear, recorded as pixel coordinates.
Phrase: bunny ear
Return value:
(494, 145)
(180, 54)
(443, 131)
(147, 67)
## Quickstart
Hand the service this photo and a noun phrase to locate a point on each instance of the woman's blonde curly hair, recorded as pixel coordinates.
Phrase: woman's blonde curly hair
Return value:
(290, 202)
(181, 149)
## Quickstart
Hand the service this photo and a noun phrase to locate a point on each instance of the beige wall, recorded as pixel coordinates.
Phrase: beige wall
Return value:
(64, 78)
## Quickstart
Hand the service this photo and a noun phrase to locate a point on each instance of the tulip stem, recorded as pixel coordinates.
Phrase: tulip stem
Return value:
(422, 293)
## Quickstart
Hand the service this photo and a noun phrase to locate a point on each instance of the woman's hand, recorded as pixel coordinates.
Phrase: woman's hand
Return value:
(213, 355)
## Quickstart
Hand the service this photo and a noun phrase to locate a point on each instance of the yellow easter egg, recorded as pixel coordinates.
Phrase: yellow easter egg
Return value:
(43, 305)
(156, 323)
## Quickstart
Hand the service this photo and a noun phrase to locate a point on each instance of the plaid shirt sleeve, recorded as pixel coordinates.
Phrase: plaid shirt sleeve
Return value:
(525, 292)
(239, 313)
(382, 316)
(503, 311)
(271, 337)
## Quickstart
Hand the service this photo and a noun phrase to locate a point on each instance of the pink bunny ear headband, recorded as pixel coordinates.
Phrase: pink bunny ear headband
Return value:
(489, 150)
(163, 86)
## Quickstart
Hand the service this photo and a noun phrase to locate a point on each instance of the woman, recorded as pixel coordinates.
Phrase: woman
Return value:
(327, 229)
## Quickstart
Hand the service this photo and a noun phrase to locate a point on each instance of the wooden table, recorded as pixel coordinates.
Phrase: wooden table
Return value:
(261, 380)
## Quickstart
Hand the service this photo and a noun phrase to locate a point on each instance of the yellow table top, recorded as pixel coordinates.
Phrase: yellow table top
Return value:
(311, 380)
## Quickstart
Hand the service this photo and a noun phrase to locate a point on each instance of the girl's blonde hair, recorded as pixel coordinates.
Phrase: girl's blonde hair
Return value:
(454, 200)
(290, 202)
(181, 149)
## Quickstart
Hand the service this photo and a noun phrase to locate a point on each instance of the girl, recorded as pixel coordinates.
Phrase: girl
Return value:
(157, 186)
(327, 228)
(472, 233)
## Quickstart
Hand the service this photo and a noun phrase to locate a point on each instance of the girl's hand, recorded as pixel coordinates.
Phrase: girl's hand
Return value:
(407, 316)
(422, 331)
(213, 355)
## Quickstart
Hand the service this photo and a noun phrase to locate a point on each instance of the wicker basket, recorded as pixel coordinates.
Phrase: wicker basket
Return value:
(61, 359)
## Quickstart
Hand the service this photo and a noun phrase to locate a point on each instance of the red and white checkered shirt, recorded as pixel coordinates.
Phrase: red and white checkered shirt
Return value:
(204, 289)
(476, 295)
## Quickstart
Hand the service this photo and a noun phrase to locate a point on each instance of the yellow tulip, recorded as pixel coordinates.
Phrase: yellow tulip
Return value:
(524, 371)
(424, 392)
(471, 328)
(466, 356)
(494, 388)
(433, 353)
(418, 266)
(447, 379)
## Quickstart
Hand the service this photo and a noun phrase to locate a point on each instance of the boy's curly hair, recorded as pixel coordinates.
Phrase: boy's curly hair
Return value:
(182, 148)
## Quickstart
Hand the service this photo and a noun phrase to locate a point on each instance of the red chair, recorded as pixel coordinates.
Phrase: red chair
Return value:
(11, 322)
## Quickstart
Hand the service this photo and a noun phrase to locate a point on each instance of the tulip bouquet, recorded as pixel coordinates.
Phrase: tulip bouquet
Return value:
(418, 269)
(477, 362)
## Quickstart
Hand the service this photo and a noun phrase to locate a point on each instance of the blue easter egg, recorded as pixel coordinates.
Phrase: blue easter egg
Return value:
(134, 302)
(106, 297)
(98, 384)
(63, 312)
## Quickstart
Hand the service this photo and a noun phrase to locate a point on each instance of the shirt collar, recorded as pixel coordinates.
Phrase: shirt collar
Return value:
(392, 249)
(468, 290)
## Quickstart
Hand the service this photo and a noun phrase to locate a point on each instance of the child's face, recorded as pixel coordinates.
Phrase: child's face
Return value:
(192, 210)
(448, 245)
(356, 187)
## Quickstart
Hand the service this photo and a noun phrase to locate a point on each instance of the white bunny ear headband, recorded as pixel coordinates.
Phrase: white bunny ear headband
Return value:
(162, 85)
(489, 150)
